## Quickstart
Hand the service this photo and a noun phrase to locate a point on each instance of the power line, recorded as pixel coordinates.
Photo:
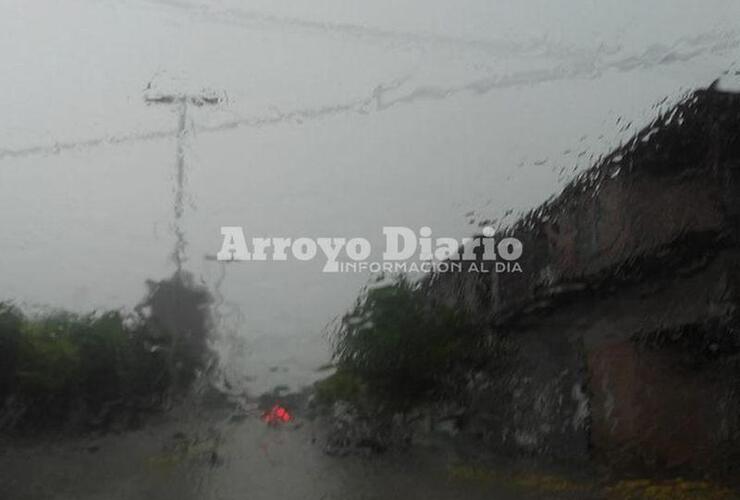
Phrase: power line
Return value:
(378, 101)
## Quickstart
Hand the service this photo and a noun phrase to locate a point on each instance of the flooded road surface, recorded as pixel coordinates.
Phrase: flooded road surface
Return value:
(194, 459)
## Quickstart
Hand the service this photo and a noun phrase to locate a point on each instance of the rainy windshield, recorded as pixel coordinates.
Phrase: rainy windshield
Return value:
(369, 250)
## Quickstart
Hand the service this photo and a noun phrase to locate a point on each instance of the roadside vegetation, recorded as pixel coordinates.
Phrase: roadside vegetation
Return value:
(102, 369)
(396, 349)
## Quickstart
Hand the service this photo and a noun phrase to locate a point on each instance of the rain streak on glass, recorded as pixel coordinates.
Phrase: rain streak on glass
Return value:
(576, 162)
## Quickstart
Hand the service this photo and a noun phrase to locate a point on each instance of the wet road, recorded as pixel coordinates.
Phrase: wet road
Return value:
(204, 458)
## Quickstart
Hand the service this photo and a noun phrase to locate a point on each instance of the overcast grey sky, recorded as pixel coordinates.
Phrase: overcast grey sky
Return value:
(342, 116)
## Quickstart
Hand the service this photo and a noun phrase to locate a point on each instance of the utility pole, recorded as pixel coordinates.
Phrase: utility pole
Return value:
(181, 100)
(183, 334)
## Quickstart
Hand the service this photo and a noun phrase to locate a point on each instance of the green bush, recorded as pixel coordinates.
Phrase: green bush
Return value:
(11, 321)
(64, 362)
(61, 365)
(48, 355)
(400, 348)
(340, 386)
